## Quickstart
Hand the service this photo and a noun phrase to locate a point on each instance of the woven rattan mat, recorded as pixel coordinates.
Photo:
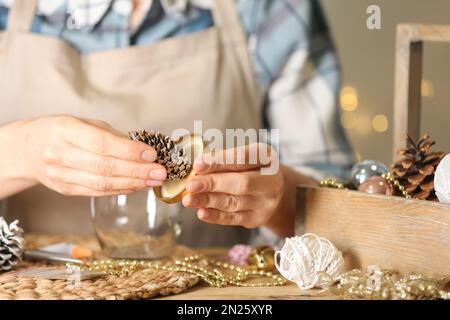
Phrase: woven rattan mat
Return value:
(141, 284)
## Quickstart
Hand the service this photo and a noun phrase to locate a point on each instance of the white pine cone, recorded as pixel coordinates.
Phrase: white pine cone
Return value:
(11, 244)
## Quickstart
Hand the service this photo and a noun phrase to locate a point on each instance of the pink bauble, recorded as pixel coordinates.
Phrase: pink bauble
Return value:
(377, 185)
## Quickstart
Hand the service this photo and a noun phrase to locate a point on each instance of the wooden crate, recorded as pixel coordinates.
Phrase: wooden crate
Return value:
(391, 232)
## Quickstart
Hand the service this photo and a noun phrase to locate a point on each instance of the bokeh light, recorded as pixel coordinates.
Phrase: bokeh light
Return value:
(427, 88)
(380, 123)
(349, 98)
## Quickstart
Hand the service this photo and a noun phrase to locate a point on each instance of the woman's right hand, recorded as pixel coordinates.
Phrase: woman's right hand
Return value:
(78, 157)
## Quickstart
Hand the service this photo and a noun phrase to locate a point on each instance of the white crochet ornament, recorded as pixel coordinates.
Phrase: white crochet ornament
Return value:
(309, 261)
(442, 180)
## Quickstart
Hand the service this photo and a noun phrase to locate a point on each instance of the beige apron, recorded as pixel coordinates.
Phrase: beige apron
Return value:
(166, 85)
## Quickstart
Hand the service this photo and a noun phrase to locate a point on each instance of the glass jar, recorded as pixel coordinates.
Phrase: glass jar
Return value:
(135, 226)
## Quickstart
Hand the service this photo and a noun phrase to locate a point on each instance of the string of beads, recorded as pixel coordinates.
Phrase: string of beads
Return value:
(215, 273)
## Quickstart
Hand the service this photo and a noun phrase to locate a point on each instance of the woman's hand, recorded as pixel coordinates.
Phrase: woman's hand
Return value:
(239, 194)
(78, 157)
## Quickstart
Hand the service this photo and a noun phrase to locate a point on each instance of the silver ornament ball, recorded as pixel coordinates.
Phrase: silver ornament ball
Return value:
(365, 169)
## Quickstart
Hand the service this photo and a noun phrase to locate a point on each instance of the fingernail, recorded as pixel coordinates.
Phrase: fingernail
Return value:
(153, 183)
(194, 186)
(158, 174)
(148, 155)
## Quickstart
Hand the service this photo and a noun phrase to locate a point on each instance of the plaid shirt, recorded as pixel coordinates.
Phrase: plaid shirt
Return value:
(292, 53)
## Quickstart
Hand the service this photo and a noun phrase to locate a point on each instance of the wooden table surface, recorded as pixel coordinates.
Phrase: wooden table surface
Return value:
(204, 292)
(288, 292)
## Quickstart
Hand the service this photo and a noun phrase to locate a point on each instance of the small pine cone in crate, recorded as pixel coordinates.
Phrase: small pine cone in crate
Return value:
(168, 153)
(416, 168)
(11, 244)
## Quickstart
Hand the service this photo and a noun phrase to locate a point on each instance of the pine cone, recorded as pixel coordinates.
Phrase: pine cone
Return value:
(415, 170)
(11, 244)
(169, 155)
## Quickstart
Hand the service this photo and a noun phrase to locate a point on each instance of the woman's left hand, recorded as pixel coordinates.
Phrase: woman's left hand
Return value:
(239, 194)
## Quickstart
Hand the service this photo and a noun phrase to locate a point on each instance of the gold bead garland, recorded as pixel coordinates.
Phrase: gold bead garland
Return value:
(383, 285)
(216, 276)
(331, 183)
(390, 177)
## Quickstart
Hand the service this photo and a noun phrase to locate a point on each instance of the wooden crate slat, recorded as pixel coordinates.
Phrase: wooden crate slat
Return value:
(424, 32)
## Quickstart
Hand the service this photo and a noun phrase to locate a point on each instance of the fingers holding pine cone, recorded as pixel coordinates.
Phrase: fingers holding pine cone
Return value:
(169, 154)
